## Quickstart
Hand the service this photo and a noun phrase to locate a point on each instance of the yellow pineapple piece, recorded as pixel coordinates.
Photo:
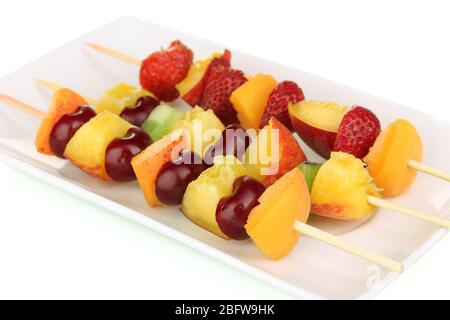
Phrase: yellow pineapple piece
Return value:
(203, 194)
(201, 127)
(341, 187)
(120, 97)
(87, 147)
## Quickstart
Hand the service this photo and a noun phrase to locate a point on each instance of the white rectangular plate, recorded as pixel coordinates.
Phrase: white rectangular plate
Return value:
(312, 270)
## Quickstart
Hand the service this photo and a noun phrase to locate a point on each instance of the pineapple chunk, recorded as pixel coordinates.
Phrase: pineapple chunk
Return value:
(202, 129)
(120, 97)
(341, 187)
(87, 147)
(203, 194)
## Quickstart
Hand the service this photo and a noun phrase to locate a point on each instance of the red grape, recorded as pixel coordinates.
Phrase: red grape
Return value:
(234, 141)
(232, 211)
(66, 127)
(120, 151)
(139, 113)
(174, 177)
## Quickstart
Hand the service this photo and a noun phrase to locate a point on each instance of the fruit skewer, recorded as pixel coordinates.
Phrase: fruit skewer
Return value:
(341, 188)
(301, 211)
(98, 144)
(135, 105)
(212, 83)
(170, 73)
(344, 188)
(393, 155)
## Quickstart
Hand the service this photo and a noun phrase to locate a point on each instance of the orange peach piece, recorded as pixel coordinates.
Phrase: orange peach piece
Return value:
(271, 223)
(64, 101)
(147, 164)
(341, 187)
(388, 158)
(250, 99)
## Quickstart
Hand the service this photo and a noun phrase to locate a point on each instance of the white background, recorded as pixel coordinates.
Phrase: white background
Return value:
(71, 249)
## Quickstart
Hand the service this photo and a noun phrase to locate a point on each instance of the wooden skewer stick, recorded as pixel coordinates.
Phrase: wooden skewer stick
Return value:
(115, 54)
(54, 86)
(378, 202)
(424, 168)
(22, 106)
(121, 56)
(348, 247)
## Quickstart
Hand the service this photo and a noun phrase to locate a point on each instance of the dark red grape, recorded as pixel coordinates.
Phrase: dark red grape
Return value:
(139, 113)
(232, 211)
(234, 141)
(66, 127)
(120, 151)
(174, 177)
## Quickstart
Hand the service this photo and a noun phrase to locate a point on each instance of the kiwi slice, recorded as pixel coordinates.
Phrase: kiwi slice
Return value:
(310, 170)
(160, 120)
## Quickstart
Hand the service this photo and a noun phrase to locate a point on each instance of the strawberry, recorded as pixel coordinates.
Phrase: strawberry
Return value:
(162, 70)
(216, 95)
(195, 94)
(278, 102)
(357, 132)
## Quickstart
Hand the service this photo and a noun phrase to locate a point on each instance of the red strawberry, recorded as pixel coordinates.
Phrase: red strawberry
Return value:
(278, 102)
(357, 132)
(216, 96)
(162, 70)
(195, 94)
